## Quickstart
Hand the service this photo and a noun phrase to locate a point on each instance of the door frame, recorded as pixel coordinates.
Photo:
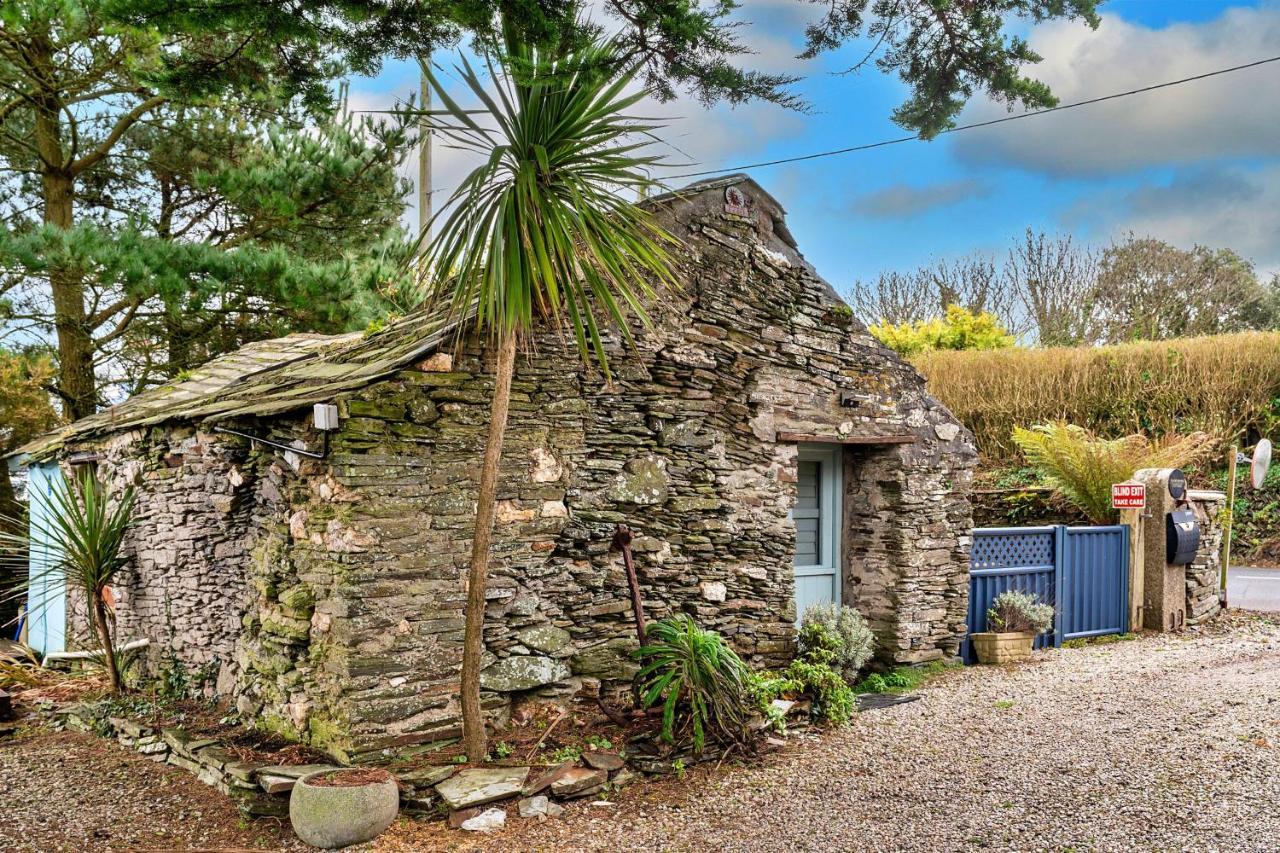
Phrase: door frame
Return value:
(830, 502)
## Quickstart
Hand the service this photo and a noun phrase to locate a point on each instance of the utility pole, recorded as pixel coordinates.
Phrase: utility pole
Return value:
(424, 156)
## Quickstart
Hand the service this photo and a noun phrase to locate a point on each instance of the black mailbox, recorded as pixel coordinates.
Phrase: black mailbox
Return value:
(1182, 537)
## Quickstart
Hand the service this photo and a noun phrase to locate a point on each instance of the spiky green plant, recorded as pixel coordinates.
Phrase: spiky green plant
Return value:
(84, 530)
(698, 678)
(539, 233)
(1083, 467)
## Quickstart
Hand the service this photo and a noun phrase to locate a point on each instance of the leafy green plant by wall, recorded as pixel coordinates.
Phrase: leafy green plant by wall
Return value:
(816, 673)
(959, 329)
(1255, 523)
(840, 630)
(698, 679)
(1225, 385)
(1083, 467)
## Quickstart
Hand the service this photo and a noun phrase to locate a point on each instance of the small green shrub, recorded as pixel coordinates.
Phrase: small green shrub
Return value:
(175, 681)
(566, 753)
(599, 742)
(833, 699)
(960, 329)
(697, 677)
(762, 688)
(1016, 611)
(840, 630)
(902, 679)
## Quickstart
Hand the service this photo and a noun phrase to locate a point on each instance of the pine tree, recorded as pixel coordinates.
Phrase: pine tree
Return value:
(168, 216)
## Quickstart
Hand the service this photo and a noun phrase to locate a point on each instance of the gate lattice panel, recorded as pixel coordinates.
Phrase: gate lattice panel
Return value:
(1082, 571)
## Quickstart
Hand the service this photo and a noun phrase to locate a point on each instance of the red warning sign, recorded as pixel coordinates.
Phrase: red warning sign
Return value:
(1128, 496)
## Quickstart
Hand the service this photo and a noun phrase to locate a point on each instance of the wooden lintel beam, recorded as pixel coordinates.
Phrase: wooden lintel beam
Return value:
(802, 438)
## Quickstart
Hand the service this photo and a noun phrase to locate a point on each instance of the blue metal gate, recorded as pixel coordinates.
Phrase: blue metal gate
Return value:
(1082, 571)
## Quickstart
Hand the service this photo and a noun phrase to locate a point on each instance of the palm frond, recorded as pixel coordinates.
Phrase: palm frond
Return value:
(539, 231)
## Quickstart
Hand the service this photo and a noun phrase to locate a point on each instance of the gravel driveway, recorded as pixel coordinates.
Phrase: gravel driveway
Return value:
(1164, 743)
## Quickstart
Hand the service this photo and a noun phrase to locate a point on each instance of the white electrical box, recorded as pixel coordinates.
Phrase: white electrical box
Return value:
(325, 416)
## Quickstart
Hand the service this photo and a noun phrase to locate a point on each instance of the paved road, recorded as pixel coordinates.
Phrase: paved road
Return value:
(1253, 588)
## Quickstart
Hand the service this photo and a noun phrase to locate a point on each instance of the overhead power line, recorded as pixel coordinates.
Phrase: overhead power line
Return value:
(899, 140)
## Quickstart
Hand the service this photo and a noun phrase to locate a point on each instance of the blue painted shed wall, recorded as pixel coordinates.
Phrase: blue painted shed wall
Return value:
(47, 594)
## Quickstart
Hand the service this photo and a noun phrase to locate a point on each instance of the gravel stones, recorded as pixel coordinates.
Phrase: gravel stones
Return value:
(1170, 742)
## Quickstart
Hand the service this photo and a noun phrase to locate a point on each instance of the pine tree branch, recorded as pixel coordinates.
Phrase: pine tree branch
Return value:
(122, 125)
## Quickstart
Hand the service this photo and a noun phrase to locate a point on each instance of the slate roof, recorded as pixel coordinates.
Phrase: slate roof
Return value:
(283, 374)
(265, 378)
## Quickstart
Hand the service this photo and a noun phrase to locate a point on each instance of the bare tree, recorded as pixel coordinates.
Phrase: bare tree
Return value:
(1056, 280)
(973, 282)
(894, 298)
(1052, 291)
(976, 283)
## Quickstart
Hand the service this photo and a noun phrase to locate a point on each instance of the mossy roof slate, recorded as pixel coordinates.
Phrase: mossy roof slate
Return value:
(264, 378)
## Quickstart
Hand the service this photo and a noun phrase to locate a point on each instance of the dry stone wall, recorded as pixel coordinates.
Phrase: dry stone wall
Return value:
(1203, 575)
(184, 587)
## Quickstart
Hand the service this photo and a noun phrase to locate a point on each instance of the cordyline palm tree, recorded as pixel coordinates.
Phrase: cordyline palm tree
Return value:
(84, 531)
(539, 235)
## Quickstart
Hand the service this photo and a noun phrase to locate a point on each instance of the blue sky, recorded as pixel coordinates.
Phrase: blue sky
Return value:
(1198, 163)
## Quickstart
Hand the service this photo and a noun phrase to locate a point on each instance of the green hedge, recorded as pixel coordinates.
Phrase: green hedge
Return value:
(1226, 385)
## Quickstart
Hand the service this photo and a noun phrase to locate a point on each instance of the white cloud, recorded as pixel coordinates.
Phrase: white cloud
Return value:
(904, 201)
(1234, 115)
(1230, 208)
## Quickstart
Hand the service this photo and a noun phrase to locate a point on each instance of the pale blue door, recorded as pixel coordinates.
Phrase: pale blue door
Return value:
(47, 593)
(817, 518)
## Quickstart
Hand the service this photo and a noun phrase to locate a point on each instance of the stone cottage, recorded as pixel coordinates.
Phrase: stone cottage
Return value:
(766, 451)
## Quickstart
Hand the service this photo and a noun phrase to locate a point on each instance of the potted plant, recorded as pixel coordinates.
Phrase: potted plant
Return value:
(1014, 620)
(338, 808)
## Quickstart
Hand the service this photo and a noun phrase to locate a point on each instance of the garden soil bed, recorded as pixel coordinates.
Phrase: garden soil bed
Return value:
(78, 792)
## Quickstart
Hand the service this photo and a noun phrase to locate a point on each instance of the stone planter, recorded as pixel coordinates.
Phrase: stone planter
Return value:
(331, 816)
(991, 647)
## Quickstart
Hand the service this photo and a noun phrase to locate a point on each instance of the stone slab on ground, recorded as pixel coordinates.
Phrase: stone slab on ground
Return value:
(542, 782)
(274, 784)
(294, 771)
(607, 761)
(873, 701)
(578, 779)
(477, 786)
(425, 777)
(488, 820)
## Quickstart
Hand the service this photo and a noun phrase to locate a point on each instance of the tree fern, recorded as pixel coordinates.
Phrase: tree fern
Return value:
(1083, 467)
